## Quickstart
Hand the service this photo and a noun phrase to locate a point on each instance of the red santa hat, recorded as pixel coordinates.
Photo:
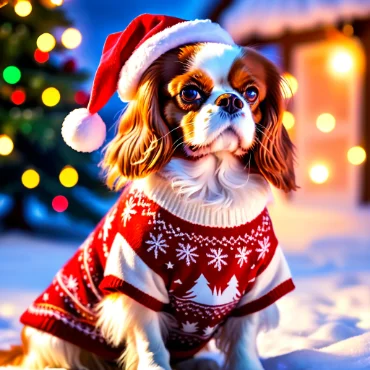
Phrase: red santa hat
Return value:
(126, 56)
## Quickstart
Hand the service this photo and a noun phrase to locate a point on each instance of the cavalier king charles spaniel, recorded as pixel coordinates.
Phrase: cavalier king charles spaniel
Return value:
(206, 122)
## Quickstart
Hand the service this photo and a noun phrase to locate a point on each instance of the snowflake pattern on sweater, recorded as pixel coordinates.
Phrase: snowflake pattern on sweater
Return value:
(200, 275)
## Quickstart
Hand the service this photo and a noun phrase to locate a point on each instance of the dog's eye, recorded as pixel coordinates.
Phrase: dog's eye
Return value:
(190, 95)
(251, 94)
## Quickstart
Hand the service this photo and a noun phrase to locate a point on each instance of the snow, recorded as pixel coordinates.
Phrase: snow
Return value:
(244, 18)
(325, 322)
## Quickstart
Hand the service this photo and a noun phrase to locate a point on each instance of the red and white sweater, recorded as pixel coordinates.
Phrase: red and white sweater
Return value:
(199, 271)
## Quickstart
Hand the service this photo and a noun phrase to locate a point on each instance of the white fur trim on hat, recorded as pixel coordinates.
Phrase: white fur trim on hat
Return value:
(170, 38)
(83, 131)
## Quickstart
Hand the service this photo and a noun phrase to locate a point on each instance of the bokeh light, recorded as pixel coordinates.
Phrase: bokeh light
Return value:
(68, 177)
(356, 155)
(46, 42)
(342, 62)
(288, 120)
(6, 145)
(81, 98)
(71, 38)
(290, 87)
(325, 122)
(348, 30)
(23, 8)
(41, 56)
(30, 179)
(57, 2)
(59, 203)
(50, 97)
(319, 173)
(18, 97)
(11, 75)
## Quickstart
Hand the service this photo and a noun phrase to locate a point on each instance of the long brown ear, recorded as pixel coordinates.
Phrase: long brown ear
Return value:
(143, 143)
(274, 154)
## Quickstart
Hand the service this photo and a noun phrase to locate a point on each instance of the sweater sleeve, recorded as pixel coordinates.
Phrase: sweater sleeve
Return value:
(127, 273)
(271, 284)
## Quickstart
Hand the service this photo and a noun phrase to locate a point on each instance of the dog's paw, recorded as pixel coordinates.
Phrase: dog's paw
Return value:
(197, 364)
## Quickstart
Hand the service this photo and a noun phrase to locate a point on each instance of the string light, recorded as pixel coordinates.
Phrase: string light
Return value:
(11, 75)
(23, 8)
(68, 177)
(18, 97)
(50, 97)
(290, 85)
(6, 145)
(325, 122)
(30, 179)
(41, 56)
(288, 120)
(356, 155)
(46, 42)
(59, 203)
(71, 38)
(342, 62)
(319, 173)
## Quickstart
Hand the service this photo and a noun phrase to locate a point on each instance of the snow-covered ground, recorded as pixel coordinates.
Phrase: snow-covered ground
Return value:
(325, 322)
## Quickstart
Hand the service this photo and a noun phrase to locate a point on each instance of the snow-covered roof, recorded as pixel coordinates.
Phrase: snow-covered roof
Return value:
(272, 17)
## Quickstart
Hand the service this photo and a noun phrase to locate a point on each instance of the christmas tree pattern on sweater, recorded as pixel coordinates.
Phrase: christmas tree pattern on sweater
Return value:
(199, 275)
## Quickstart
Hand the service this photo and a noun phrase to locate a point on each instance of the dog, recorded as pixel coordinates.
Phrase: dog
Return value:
(188, 252)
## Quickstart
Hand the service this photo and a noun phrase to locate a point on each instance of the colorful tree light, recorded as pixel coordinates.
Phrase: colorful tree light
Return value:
(59, 203)
(11, 75)
(41, 56)
(68, 177)
(23, 8)
(46, 42)
(6, 145)
(50, 97)
(288, 120)
(319, 173)
(325, 122)
(71, 38)
(290, 85)
(30, 179)
(18, 97)
(356, 155)
(81, 98)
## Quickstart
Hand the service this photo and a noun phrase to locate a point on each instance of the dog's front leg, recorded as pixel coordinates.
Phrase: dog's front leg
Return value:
(124, 321)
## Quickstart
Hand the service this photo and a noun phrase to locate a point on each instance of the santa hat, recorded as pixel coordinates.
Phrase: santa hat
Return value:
(126, 56)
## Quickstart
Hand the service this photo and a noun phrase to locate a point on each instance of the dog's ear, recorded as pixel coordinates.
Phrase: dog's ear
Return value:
(274, 153)
(143, 144)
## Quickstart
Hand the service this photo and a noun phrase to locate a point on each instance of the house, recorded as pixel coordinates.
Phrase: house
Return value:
(323, 48)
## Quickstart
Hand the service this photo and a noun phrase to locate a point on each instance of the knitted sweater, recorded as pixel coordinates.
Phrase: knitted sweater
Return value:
(199, 274)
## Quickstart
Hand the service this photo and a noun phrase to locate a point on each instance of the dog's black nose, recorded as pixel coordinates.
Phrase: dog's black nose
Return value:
(229, 103)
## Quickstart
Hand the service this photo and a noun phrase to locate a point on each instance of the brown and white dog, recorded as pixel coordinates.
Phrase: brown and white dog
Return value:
(204, 115)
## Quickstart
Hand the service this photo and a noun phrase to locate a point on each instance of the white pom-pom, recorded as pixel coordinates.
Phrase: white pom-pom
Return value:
(83, 131)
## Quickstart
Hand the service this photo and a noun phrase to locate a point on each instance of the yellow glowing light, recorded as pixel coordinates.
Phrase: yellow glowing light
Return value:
(325, 122)
(71, 38)
(50, 96)
(356, 155)
(348, 30)
(319, 173)
(6, 145)
(30, 179)
(290, 86)
(342, 62)
(23, 8)
(57, 2)
(288, 120)
(68, 177)
(46, 42)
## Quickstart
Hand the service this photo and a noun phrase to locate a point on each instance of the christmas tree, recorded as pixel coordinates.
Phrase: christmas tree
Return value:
(39, 86)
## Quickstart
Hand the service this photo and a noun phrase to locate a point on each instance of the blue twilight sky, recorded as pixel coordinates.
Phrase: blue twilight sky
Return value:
(97, 19)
